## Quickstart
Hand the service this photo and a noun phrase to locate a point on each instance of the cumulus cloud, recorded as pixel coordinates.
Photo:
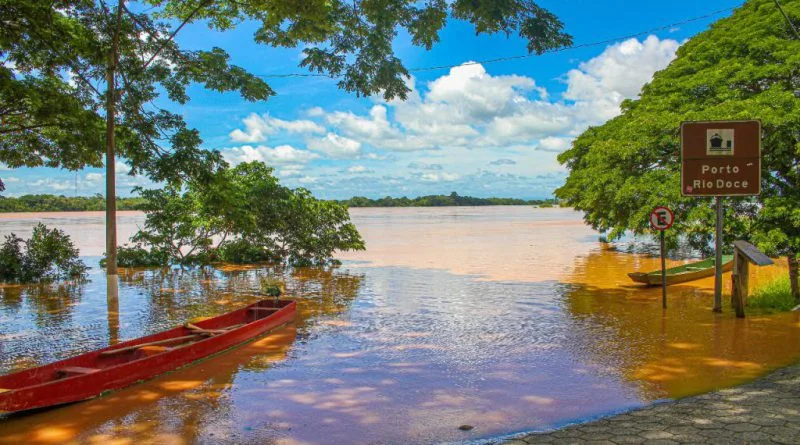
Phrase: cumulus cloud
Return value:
(472, 118)
(554, 144)
(358, 169)
(617, 74)
(468, 107)
(258, 128)
(438, 177)
(335, 146)
(280, 155)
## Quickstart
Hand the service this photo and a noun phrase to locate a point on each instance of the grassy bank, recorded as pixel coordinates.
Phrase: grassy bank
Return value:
(774, 296)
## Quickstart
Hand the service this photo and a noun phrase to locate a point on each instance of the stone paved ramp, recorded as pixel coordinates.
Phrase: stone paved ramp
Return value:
(766, 411)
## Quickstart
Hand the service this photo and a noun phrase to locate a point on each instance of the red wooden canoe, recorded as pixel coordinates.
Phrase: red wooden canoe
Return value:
(90, 375)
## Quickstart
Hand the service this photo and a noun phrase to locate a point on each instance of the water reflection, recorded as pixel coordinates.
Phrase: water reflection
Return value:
(148, 301)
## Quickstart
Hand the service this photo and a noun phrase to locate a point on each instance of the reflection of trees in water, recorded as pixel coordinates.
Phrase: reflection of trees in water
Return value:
(34, 316)
(11, 296)
(51, 304)
(684, 350)
(172, 296)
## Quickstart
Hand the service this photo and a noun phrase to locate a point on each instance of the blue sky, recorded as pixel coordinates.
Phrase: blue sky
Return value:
(491, 129)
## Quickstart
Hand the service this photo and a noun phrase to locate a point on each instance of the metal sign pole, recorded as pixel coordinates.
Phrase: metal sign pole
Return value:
(663, 273)
(718, 260)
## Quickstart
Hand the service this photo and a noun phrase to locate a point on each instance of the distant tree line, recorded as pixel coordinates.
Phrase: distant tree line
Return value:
(60, 203)
(55, 203)
(454, 199)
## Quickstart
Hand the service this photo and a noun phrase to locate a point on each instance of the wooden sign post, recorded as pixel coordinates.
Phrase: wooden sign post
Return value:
(661, 219)
(720, 158)
(744, 254)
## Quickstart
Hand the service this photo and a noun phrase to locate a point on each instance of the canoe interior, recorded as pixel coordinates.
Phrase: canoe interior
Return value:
(684, 272)
(96, 361)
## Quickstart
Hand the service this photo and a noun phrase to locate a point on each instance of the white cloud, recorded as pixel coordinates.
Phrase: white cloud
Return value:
(439, 177)
(52, 184)
(554, 144)
(291, 171)
(617, 74)
(280, 155)
(11, 179)
(335, 146)
(258, 128)
(95, 177)
(307, 180)
(357, 169)
(121, 168)
(315, 112)
(468, 107)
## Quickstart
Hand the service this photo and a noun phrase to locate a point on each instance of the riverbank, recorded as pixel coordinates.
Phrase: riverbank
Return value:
(764, 411)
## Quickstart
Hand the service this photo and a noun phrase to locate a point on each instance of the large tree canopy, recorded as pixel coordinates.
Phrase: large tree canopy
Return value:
(746, 66)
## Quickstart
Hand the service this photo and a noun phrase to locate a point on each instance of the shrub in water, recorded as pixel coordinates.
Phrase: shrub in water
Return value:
(272, 287)
(242, 251)
(138, 256)
(48, 255)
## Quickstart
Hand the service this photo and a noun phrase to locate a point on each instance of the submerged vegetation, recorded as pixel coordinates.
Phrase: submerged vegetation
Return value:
(774, 296)
(453, 199)
(47, 255)
(241, 215)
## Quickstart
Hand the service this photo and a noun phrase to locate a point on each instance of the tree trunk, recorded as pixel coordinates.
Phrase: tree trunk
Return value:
(793, 276)
(111, 180)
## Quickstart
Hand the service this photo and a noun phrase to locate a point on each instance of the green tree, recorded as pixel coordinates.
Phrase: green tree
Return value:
(746, 66)
(242, 215)
(57, 54)
(79, 80)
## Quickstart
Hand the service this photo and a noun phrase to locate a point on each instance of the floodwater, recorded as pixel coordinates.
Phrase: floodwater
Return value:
(505, 318)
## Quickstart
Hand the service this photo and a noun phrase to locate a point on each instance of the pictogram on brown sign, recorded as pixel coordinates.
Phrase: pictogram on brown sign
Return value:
(721, 158)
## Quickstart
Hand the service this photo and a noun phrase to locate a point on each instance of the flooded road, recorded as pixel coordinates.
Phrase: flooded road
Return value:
(505, 318)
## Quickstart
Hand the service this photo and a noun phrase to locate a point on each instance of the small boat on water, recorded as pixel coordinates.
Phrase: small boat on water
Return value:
(683, 273)
(92, 374)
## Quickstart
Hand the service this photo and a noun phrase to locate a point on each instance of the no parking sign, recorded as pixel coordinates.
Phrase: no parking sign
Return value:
(661, 218)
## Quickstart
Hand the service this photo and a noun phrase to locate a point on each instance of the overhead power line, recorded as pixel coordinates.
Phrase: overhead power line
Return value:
(788, 20)
(525, 56)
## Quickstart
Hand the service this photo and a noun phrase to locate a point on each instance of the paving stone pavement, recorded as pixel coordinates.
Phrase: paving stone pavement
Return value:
(766, 411)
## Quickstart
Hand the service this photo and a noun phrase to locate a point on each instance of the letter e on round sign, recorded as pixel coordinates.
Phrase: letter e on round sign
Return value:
(661, 218)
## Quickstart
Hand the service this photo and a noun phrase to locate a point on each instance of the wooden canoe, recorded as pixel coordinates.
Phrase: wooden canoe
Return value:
(92, 374)
(683, 273)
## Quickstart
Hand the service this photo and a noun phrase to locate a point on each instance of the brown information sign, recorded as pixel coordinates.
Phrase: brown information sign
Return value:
(721, 158)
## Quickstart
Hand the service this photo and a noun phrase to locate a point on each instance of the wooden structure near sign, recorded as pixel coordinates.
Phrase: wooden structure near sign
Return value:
(744, 254)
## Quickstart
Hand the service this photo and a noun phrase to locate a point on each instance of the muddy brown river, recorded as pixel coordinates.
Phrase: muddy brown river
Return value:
(509, 319)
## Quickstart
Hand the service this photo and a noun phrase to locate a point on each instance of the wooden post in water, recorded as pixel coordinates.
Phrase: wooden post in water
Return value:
(739, 283)
(718, 260)
(744, 253)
